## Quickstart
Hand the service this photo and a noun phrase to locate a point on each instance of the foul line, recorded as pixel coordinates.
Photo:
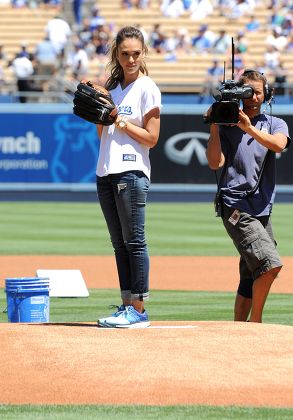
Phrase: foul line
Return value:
(173, 326)
(150, 327)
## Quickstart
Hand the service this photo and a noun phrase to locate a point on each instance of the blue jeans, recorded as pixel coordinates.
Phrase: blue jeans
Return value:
(123, 199)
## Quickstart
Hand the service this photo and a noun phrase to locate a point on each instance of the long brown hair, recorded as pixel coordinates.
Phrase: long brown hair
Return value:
(116, 71)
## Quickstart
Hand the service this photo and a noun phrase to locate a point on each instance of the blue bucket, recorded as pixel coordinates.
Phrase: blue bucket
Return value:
(27, 299)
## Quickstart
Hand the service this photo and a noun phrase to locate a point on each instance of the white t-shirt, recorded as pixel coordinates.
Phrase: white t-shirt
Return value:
(22, 67)
(79, 62)
(59, 32)
(118, 151)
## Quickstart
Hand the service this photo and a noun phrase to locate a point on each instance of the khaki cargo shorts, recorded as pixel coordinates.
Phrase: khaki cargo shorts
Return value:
(254, 240)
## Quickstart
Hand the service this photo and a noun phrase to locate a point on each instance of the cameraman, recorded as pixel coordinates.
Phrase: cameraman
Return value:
(246, 153)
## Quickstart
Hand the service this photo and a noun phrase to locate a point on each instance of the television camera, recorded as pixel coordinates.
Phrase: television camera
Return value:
(228, 95)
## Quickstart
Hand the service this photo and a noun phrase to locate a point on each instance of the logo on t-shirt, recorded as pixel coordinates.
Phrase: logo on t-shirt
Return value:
(124, 109)
(129, 157)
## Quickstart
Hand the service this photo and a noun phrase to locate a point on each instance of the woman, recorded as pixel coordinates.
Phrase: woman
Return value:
(123, 172)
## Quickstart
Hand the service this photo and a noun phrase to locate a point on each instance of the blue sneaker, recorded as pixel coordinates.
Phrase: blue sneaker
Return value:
(102, 322)
(129, 318)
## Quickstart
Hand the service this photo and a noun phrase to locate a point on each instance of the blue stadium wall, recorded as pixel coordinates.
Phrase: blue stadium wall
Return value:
(46, 150)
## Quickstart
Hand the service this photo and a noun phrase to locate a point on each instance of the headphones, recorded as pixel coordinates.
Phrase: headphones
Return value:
(268, 89)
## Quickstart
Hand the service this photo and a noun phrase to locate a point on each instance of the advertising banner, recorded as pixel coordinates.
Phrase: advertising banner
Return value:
(57, 147)
(47, 148)
(179, 156)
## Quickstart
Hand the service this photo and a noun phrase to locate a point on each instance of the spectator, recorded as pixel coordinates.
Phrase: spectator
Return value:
(52, 3)
(240, 8)
(59, 32)
(277, 39)
(239, 63)
(172, 8)
(276, 18)
(253, 24)
(187, 4)
(203, 42)
(287, 24)
(46, 56)
(141, 4)
(23, 70)
(96, 19)
(222, 43)
(85, 33)
(199, 10)
(19, 3)
(224, 7)
(101, 40)
(126, 4)
(183, 45)
(157, 38)
(179, 42)
(77, 8)
(23, 49)
(271, 57)
(78, 61)
(241, 43)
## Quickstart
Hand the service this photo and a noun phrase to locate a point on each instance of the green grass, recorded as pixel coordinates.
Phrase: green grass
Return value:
(164, 305)
(79, 229)
(102, 412)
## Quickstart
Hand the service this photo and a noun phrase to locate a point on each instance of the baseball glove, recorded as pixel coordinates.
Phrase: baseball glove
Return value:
(94, 103)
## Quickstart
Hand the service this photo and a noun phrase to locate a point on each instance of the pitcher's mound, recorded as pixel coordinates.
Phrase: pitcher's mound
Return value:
(211, 363)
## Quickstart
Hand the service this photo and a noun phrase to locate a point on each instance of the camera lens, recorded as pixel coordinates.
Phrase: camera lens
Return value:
(247, 92)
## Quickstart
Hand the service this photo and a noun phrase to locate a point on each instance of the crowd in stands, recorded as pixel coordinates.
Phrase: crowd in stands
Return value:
(70, 48)
(34, 3)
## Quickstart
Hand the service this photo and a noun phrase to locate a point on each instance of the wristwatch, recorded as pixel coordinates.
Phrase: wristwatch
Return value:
(122, 123)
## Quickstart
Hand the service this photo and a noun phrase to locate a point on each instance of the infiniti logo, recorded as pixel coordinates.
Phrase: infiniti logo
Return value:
(192, 142)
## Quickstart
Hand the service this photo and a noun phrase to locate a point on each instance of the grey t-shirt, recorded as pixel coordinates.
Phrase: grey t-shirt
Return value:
(244, 158)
